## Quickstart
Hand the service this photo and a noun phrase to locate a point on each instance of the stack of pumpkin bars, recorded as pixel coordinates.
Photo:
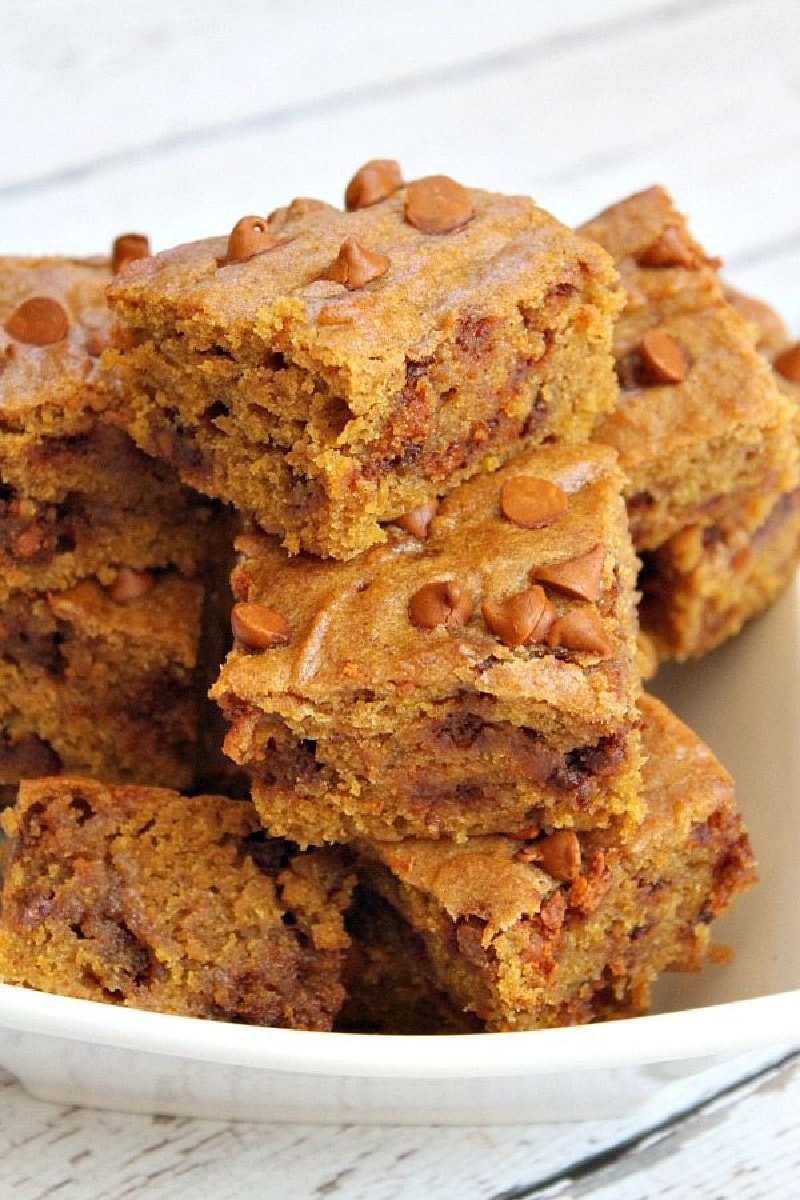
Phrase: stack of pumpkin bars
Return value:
(476, 475)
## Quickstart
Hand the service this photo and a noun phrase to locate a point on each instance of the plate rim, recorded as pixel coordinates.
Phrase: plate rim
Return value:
(697, 1033)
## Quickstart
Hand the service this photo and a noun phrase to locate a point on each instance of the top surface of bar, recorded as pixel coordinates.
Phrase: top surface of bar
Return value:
(671, 283)
(35, 374)
(509, 249)
(350, 624)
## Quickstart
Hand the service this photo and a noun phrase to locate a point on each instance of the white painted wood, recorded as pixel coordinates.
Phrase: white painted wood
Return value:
(176, 116)
(743, 1145)
(92, 78)
(702, 96)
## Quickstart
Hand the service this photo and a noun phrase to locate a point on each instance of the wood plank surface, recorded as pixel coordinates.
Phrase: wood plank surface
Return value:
(176, 118)
(743, 1145)
(150, 124)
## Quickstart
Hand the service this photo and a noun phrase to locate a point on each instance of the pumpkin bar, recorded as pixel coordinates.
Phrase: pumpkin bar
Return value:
(77, 497)
(145, 898)
(131, 510)
(700, 415)
(572, 927)
(327, 371)
(706, 581)
(477, 675)
(54, 325)
(703, 584)
(104, 681)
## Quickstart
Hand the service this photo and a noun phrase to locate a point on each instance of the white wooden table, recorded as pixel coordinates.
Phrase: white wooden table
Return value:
(177, 116)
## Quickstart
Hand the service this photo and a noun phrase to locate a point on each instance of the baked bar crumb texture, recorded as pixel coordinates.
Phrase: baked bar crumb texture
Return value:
(576, 927)
(322, 401)
(701, 417)
(480, 677)
(145, 898)
(113, 688)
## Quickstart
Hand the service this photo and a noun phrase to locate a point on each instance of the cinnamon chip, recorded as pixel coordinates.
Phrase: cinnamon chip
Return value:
(588, 890)
(355, 265)
(331, 315)
(670, 249)
(664, 359)
(532, 503)
(787, 363)
(38, 321)
(521, 618)
(437, 204)
(377, 179)
(249, 236)
(579, 577)
(130, 585)
(258, 627)
(418, 520)
(444, 602)
(299, 207)
(559, 854)
(580, 629)
(126, 248)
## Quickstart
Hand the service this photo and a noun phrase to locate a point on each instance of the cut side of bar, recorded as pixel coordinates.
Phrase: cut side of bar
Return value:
(323, 410)
(149, 899)
(572, 927)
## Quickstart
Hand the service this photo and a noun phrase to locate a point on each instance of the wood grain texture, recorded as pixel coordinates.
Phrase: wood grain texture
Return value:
(51, 1151)
(176, 117)
(166, 120)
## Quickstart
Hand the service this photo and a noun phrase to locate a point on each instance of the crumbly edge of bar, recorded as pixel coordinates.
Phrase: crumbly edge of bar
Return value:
(697, 485)
(693, 602)
(101, 461)
(564, 966)
(101, 742)
(377, 812)
(389, 980)
(61, 407)
(63, 632)
(322, 488)
(54, 546)
(88, 918)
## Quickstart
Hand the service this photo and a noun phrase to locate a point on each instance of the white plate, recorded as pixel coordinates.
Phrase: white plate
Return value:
(745, 701)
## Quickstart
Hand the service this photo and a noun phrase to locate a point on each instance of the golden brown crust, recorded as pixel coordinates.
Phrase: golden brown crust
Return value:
(721, 425)
(416, 728)
(322, 409)
(53, 388)
(242, 303)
